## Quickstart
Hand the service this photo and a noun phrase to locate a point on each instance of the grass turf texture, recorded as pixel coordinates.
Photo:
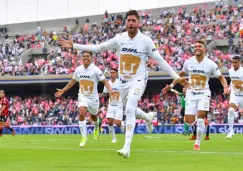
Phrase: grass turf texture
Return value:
(149, 153)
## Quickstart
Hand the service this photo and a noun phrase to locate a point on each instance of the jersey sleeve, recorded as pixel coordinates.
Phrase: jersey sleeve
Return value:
(184, 69)
(215, 70)
(109, 45)
(99, 74)
(154, 53)
(75, 76)
(5, 101)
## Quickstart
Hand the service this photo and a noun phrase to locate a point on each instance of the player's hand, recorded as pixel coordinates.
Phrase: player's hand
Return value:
(66, 43)
(182, 81)
(59, 93)
(166, 89)
(226, 90)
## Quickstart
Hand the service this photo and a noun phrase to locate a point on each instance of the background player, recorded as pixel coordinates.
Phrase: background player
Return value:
(236, 95)
(4, 112)
(200, 68)
(183, 103)
(88, 76)
(194, 129)
(115, 108)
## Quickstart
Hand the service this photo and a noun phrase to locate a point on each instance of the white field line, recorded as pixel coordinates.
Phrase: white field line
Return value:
(145, 151)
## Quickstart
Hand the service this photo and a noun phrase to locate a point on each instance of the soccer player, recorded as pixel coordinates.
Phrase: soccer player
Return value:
(88, 75)
(200, 68)
(236, 95)
(115, 109)
(132, 48)
(4, 112)
(183, 103)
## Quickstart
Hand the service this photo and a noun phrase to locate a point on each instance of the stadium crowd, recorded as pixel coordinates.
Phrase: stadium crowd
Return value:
(173, 32)
(46, 110)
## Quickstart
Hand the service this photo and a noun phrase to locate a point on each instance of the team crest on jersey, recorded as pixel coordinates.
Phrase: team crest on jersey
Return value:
(129, 65)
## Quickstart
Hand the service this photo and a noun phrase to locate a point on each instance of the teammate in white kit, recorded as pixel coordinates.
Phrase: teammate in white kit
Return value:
(88, 75)
(115, 107)
(132, 48)
(236, 95)
(200, 68)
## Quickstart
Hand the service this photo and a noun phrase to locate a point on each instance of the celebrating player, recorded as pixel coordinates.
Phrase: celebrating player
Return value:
(236, 95)
(200, 68)
(4, 112)
(88, 76)
(132, 48)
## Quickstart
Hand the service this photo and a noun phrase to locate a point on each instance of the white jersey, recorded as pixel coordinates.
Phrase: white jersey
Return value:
(236, 79)
(115, 99)
(132, 55)
(199, 74)
(88, 81)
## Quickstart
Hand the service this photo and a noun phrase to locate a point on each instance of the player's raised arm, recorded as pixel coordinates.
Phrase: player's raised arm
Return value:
(109, 45)
(107, 85)
(154, 53)
(70, 84)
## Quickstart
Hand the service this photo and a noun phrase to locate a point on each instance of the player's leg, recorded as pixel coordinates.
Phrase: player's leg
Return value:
(7, 125)
(119, 118)
(231, 115)
(148, 117)
(82, 124)
(185, 126)
(93, 108)
(194, 130)
(110, 116)
(134, 95)
(190, 115)
(207, 127)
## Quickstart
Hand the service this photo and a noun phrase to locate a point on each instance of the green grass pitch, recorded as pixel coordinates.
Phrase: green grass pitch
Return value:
(153, 152)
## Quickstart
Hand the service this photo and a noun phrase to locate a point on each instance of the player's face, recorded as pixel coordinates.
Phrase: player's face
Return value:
(236, 64)
(87, 58)
(113, 74)
(199, 49)
(132, 24)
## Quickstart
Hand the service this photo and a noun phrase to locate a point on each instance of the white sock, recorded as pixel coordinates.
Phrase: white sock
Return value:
(82, 127)
(130, 121)
(96, 124)
(142, 115)
(112, 131)
(200, 130)
(231, 117)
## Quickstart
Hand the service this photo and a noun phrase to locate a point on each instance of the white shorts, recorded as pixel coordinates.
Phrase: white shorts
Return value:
(136, 91)
(91, 104)
(192, 106)
(237, 100)
(115, 112)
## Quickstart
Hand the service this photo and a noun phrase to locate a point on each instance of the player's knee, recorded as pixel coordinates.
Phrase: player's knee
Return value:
(189, 121)
(110, 122)
(131, 106)
(118, 123)
(231, 111)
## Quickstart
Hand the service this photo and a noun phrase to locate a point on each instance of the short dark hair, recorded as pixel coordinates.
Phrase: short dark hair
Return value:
(2, 91)
(114, 69)
(133, 12)
(236, 57)
(202, 40)
(87, 52)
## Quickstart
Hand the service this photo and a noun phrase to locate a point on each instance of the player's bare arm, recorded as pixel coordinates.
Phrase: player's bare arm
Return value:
(169, 87)
(224, 84)
(107, 85)
(60, 92)
(2, 109)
